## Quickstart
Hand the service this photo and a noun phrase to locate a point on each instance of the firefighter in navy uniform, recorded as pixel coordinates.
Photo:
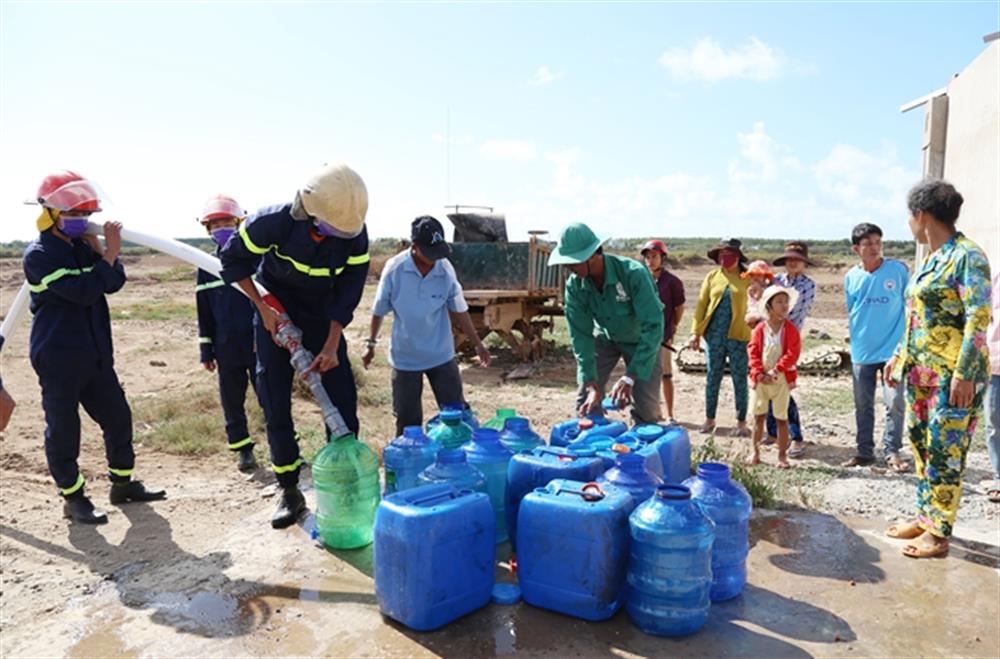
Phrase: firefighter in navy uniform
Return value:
(70, 348)
(225, 332)
(313, 256)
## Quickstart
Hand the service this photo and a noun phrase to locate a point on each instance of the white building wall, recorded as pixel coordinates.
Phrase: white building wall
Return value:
(972, 149)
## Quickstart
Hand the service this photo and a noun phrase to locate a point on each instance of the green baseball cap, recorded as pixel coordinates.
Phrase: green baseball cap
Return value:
(577, 243)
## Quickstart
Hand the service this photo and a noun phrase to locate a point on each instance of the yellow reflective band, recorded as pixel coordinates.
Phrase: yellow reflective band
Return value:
(249, 244)
(76, 486)
(240, 444)
(303, 268)
(360, 259)
(211, 284)
(124, 473)
(204, 339)
(58, 274)
(339, 270)
(284, 469)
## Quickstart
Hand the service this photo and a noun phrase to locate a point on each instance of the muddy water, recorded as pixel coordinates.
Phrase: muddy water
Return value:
(818, 586)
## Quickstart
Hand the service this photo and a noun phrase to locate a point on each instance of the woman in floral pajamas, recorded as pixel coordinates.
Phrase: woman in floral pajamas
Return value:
(944, 362)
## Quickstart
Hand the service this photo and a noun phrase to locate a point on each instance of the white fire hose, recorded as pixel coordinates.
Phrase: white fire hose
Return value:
(287, 335)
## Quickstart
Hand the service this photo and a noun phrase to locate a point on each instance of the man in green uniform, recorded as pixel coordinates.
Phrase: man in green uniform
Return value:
(613, 312)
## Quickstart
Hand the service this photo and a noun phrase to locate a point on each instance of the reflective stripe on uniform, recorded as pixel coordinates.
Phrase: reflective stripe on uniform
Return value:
(240, 444)
(124, 473)
(204, 339)
(303, 268)
(211, 284)
(360, 259)
(249, 244)
(58, 274)
(66, 491)
(284, 469)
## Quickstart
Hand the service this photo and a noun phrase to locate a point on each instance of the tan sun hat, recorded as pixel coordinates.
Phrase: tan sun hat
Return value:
(337, 196)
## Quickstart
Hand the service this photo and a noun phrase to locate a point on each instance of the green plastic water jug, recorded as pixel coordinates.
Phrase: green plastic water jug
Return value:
(345, 474)
(452, 432)
(503, 413)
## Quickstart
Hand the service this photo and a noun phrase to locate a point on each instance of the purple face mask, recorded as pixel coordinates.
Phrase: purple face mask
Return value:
(325, 229)
(222, 235)
(74, 227)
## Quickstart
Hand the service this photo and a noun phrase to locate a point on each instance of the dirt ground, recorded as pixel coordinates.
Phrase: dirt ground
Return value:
(203, 574)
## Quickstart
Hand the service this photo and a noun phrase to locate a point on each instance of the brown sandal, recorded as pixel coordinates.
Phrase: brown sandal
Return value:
(926, 550)
(897, 464)
(905, 530)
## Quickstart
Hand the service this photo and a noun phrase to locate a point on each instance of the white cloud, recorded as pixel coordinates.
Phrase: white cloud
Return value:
(507, 150)
(544, 76)
(766, 191)
(707, 60)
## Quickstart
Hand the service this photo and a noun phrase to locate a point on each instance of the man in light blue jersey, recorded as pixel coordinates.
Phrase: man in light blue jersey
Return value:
(420, 288)
(876, 304)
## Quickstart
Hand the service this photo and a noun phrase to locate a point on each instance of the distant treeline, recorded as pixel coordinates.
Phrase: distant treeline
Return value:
(683, 251)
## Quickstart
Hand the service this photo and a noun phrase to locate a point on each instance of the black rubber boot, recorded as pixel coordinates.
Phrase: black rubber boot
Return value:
(247, 462)
(126, 491)
(80, 509)
(292, 505)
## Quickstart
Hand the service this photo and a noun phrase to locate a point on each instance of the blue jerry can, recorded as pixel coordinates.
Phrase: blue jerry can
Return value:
(573, 548)
(434, 555)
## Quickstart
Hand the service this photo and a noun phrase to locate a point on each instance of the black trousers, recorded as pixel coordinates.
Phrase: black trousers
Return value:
(67, 384)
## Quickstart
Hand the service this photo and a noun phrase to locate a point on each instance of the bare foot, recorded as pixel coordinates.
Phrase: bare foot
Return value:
(783, 463)
(752, 460)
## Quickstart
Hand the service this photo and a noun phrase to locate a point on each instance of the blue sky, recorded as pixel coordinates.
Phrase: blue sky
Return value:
(778, 120)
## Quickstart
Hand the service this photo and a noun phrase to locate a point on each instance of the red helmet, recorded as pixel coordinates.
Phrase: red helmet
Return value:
(220, 206)
(66, 191)
(655, 245)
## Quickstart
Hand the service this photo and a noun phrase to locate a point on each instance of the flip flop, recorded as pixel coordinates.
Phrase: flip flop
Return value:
(897, 465)
(993, 494)
(797, 451)
(741, 432)
(904, 530)
(707, 429)
(924, 550)
(768, 441)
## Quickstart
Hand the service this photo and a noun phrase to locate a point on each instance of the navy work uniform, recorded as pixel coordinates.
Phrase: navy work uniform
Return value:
(318, 279)
(225, 335)
(72, 354)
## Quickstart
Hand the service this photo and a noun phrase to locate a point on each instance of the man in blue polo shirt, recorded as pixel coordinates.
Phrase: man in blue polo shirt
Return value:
(420, 288)
(876, 304)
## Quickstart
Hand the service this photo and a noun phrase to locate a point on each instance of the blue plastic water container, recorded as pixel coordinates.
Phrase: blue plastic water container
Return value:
(434, 555)
(669, 455)
(600, 436)
(670, 563)
(573, 548)
(405, 457)
(527, 471)
(565, 432)
(488, 454)
(631, 474)
(624, 443)
(452, 467)
(729, 505)
(518, 436)
(468, 416)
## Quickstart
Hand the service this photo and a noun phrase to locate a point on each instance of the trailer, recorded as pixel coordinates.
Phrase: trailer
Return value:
(510, 289)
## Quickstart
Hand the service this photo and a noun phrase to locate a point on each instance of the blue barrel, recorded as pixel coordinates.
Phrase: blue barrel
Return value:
(488, 454)
(600, 437)
(536, 468)
(518, 436)
(624, 443)
(565, 432)
(729, 505)
(631, 474)
(468, 416)
(405, 457)
(648, 432)
(434, 555)
(670, 564)
(573, 548)
(453, 467)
